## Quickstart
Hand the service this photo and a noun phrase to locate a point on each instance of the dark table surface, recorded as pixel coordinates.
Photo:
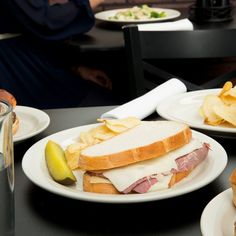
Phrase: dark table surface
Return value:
(38, 212)
(106, 36)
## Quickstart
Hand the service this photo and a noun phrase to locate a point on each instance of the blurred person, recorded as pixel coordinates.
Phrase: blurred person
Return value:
(35, 65)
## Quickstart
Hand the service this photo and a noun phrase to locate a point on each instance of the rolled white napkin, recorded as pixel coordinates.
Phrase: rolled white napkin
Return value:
(184, 24)
(8, 35)
(146, 104)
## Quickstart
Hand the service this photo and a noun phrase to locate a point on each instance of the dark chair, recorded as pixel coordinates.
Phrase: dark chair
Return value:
(142, 46)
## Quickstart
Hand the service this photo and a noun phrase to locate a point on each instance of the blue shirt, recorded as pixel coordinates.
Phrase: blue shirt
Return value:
(36, 17)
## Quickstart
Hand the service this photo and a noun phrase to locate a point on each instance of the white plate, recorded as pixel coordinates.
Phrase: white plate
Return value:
(104, 16)
(219, 215)
(185, 108)
(31, 122)
(34, 167)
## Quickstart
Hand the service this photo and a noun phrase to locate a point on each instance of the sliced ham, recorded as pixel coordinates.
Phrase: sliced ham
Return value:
(191, 160)
(141, 185)
(184, 163)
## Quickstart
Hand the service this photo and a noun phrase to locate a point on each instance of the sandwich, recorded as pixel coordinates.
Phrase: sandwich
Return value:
(232, 180)
(9, 98)
(153, 155)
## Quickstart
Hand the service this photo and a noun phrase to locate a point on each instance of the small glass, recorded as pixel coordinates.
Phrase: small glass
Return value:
(7, 216)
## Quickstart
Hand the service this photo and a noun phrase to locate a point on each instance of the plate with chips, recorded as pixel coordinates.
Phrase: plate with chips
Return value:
(212, 111)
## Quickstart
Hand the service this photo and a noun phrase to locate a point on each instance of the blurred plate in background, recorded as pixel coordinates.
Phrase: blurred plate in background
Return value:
(185, 108)
(105, 16)
(219, 215)
(32, 121)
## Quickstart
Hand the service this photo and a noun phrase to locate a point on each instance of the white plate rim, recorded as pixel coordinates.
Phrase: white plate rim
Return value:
(211, 212)
(163, 106)
(173, 13)
(40, 115)
(35, 154)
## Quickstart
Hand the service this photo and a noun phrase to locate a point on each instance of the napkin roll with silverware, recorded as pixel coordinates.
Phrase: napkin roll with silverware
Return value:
(145, 105)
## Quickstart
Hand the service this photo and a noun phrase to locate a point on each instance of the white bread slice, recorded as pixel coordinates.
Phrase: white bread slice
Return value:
(148, 140)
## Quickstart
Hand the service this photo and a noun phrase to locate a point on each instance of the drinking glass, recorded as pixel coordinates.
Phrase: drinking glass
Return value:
(6, 171)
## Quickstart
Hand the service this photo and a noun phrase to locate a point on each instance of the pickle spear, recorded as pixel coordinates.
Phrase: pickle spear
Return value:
(57, 165)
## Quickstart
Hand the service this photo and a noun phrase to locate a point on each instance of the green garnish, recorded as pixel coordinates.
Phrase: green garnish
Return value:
(143, 12)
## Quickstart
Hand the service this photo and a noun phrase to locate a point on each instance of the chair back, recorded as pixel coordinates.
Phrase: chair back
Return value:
(141, 46)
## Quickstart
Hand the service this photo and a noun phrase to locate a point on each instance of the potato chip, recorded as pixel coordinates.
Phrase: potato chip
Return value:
(87, 138)
(104, 136)
(207, 110)
(227, 86)
(201, 112)
(102, 133)
(76, 147)
(222, 108)
(121, 125)
(229, 97)
(72, 154)
(228, 113)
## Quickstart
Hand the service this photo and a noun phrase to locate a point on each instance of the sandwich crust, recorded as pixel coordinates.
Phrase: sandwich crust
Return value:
(138, 154)
(8, 97)
(107, 188)
(232, 180)
(5, 95)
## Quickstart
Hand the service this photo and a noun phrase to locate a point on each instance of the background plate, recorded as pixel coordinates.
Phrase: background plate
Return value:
(104, 16)
(185, 108)
(34, 167)
(31, 122)
(219, 215)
